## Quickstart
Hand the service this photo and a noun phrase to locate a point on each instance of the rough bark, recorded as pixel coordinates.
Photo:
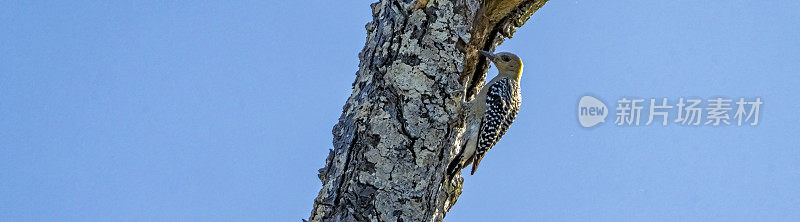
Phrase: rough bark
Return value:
(399, 128)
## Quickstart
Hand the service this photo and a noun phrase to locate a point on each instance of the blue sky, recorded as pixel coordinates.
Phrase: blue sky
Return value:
(220, 111)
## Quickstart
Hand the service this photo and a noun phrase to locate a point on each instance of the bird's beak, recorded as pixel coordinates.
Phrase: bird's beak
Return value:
(487, 54)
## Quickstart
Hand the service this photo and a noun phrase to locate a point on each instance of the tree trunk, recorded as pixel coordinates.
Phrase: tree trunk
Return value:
(399, 128)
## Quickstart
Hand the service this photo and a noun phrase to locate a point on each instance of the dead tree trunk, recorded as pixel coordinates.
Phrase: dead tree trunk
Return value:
(399, 128)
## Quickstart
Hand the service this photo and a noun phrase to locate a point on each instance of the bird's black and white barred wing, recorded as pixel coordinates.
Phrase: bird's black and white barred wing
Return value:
(502, 106)
(515, 100)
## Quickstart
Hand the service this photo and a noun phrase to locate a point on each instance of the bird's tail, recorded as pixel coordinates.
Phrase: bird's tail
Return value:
(476, 162)
(458, 163)
(454, 166)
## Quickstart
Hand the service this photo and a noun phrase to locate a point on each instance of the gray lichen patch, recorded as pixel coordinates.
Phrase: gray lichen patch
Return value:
(410, 79)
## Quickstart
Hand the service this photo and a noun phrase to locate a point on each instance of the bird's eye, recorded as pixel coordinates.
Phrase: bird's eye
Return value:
(506, 58)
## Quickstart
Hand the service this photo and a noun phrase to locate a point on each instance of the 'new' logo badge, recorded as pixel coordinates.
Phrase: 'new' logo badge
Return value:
(591, 111)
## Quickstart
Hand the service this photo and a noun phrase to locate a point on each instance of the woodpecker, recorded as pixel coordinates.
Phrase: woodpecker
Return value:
(491, 112)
